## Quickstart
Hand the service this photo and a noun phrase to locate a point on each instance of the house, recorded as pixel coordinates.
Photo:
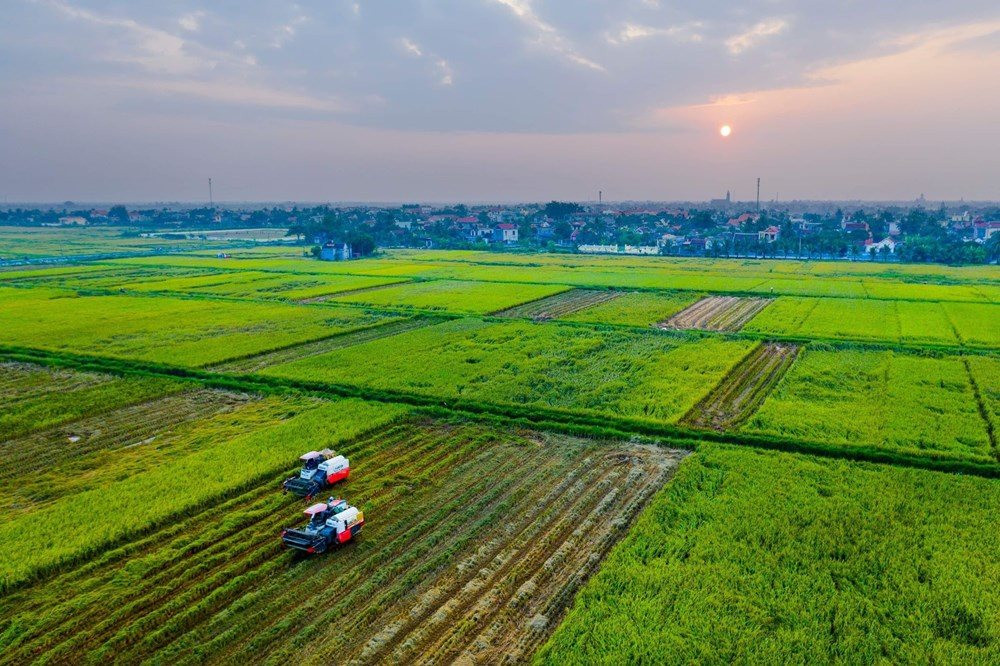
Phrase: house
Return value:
(983, 231)
(697, 244)
(769, 235)
(335, 252)
(668, 240)
(742, 219)
(76, 220)
(888, 243)
(505, 233)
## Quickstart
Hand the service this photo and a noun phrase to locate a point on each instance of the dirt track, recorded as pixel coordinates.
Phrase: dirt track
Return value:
(560, 305)
(717, 313)
(476, 542)
(743, 390)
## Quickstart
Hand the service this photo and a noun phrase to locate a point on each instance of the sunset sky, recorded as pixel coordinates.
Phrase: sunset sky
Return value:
(498, 100)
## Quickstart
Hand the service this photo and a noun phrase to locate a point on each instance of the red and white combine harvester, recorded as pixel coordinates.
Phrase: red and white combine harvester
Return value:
(320, 469)
(331, 523)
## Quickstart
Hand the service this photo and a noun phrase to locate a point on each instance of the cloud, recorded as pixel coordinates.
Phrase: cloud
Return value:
(445, 75)
(631, 31)
(191, 21)
(757, 33)
(151, 48)
(286, 32)
(232, 93)
(444, 68)
(411, 47)
(546, 35)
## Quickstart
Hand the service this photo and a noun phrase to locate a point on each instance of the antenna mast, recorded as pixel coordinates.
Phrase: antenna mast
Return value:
(211, 203)
(758, 195)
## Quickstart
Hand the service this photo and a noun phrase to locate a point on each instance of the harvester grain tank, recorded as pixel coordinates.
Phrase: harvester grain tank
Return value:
(319, 470)
(331, 523)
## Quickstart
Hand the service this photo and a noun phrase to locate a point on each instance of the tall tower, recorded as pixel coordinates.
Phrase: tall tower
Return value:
(727, 197)
(211, 203)
(758, 195)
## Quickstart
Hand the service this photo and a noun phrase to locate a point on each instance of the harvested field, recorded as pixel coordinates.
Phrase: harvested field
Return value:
(560, 305)
(35, 468)
(717, 313)
(260, 361)
(476, 542)
(744, 389)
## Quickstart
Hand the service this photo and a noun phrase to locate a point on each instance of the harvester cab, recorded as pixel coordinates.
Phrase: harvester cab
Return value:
(319, 470)
(331, 522)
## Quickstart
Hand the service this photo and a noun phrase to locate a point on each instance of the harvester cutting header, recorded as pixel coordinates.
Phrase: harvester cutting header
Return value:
(320, 469)
(330, 523)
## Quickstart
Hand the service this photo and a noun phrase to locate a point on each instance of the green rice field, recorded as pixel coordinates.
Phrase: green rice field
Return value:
(561, 458)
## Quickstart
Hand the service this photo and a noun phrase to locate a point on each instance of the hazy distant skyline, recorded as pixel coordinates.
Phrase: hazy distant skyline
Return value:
(498, 100)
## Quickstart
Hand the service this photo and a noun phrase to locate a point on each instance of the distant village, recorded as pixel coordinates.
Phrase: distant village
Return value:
(955, 233)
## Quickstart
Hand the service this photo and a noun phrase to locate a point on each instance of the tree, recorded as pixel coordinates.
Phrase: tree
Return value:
(560, 209)
(118, 214)
(362, 243)
(562, 229)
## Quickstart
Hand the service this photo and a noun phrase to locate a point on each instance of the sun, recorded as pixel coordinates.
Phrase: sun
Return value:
(725, 130)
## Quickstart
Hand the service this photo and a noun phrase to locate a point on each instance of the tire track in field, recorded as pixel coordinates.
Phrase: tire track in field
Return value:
(552, 552)
(275, 605)
(167, 575)
(559, 305)
(179, 577)
(556, 500)
(472, 534)
(717, 313)
(490, 495)
(743, 389)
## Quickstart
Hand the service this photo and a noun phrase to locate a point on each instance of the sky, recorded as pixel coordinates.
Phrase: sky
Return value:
(498, 100)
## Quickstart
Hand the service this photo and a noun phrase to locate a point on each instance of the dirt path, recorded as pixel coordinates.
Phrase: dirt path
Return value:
(742, 391)
(559, 305)
(717, 313)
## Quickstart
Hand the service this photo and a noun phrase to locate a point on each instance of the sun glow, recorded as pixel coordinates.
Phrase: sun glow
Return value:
(725, 130)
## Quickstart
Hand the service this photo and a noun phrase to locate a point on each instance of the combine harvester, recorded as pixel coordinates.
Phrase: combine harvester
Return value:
(319, 470)
(332, 523)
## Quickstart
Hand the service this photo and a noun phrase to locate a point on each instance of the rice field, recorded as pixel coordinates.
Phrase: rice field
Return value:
(751, 554)
(906, 322)
(634, 375)
(514, 427)
(717, 313)
(635, 308)
(560, 305)
(166, 329)
(470, 558)
(451, 296)
(148, 486)
(897, 402)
